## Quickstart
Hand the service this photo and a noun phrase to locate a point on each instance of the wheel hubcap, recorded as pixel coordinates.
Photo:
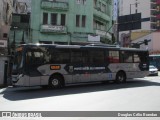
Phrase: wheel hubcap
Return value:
(121, 78)
(55, 82)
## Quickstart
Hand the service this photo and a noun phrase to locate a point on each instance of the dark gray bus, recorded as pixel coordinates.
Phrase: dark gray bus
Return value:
(59, 65)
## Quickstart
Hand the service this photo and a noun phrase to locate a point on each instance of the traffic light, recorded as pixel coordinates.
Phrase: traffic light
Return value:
(146, 42)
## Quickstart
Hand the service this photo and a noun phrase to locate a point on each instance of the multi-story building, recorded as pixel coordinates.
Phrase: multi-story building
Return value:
(127, 7)
(19, 32)
(149, 9)
(150, 26)
(5, 21)
(155, 14)
(70, 21)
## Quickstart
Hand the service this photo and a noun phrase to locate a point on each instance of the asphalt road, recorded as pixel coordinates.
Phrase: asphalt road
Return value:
(135, 95)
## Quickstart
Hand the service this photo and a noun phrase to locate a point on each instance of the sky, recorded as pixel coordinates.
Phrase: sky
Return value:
(115, 10)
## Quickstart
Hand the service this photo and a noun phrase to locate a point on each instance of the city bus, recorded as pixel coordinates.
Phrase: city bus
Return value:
(56, 66)
(155, 61)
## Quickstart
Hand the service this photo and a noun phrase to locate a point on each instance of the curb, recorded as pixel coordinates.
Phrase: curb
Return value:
(1, 90)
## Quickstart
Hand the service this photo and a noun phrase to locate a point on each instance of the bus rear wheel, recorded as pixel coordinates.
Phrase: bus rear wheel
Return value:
(120, 77)
(55, 82)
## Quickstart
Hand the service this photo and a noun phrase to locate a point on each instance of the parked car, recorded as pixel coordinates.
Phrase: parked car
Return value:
(153, 70)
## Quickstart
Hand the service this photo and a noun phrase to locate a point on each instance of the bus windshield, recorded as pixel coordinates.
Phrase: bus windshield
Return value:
(18, 62)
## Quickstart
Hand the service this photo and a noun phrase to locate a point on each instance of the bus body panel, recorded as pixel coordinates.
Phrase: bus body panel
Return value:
(131, 70)
(44, 80)
(51, 60)
(22, 81)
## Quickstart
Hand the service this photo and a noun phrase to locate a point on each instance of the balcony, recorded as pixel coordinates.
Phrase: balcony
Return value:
(158, 17)
(103, 33)
(153, 6)
(158, 2)
(55, 5)
(53, 29)
(153, 1)
(154, 12)
(98, 13)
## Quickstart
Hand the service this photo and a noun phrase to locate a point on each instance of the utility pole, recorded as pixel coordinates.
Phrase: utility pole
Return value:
(136, 5)
(117, 21)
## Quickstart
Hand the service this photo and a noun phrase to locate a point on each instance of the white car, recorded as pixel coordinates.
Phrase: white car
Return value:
(153, 70)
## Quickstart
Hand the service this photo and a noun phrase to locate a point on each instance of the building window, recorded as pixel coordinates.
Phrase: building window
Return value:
(83, 21)
(95, 3)
(99, 25)
(5, 35)
(136, 11)
(78, 1)
(103, 8)
(99, 5)
(83, 2)
(45, 18)
(77, 20)
(63, 19)
(53, 19)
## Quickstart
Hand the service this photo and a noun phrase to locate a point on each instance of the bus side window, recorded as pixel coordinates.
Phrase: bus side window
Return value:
(97, 56)
(143, 57)
(126, 57)
(113, 57)
(136, 58)
(79, 56)
(59, 56)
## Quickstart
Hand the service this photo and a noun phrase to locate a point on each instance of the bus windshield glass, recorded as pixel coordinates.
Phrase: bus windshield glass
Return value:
(18, 61)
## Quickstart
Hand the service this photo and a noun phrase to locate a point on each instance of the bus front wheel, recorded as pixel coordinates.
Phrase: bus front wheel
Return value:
(120, 77)
(55, 82)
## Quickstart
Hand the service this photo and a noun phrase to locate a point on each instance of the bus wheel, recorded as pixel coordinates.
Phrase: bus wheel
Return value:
(55, 82)
(120, 77)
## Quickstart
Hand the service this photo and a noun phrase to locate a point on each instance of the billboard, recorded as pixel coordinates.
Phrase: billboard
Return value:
(129, 22)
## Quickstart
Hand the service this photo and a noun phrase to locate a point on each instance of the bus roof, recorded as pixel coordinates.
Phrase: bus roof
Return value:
(103, 46)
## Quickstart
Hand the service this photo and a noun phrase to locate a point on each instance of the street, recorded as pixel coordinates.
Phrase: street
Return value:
(135, 95)
(138, 95)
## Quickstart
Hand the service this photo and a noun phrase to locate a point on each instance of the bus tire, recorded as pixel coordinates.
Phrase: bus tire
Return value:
(120, 77)
(56, 81)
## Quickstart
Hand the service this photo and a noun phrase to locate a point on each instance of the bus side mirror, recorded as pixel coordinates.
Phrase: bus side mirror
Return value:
(20, 76)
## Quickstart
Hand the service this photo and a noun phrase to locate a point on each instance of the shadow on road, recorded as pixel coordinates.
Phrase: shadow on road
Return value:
(16, 94)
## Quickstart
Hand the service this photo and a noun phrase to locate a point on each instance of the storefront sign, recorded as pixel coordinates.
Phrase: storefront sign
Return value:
(3, 43)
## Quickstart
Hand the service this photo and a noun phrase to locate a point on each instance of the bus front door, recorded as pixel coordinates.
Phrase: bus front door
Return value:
(35, 77)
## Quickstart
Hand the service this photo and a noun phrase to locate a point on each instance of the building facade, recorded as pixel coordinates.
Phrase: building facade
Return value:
(70, 21)
(19, 32)
(5, 21)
